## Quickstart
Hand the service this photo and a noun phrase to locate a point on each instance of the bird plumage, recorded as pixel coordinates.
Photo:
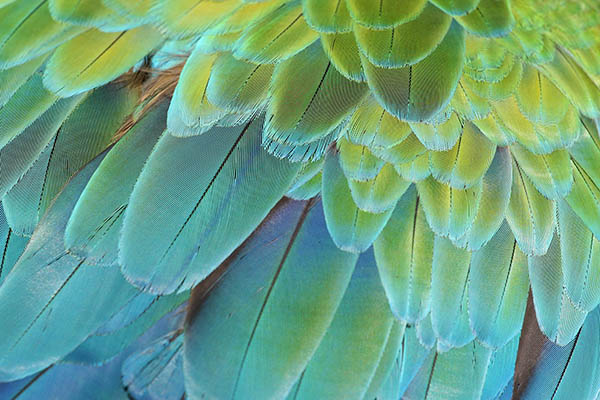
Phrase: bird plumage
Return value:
(355, 199)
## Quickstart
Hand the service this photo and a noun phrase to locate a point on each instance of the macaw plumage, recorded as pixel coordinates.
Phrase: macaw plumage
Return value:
(299, 199)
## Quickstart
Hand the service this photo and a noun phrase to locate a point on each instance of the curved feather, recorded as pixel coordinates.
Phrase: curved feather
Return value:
(277, 36)
(410, 93)
(86, 132)
(29, 102)
(465, 164)
(580, 256)
(495, 195)
(174, 235)
(454, 7)
(381, 193)
(550, 173)
(19, 154)
(29, 32)
(342, 50)
(557, 316)
(370, 125)
(327, 15)
(348, 356)
(498, 289)
(94, 58)
(352, 229)
(309, 98)
(406, 43)
(237, 85)
(388, 361)
(383, 14)
(156, 371)
(491, 18)
(51, 301)
(94, 226)
(450, 277)
(439, 136)
(530, 215)
(285, 306)
(449, 211)
(404, 253)
(463, 368)
(570, 371)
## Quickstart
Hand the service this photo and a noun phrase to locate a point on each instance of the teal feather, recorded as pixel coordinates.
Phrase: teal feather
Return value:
(352, 229)
(195, 201)
(348, 356)
(41, 299)
(228, 331)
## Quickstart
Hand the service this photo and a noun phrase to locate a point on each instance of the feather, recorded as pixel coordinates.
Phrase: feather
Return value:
(327, 15)
(464, 165)
(237, 85)
(530, 215)
(351, 229)
(348, 356)
(89, 13)
(388, 361)
(52, 301)
(456, 374)
(439, 136)
(495, 195)
(580, 256)
(409, 93)
(29, 102)
(406, 151)
(380, 193)
(500, 370)
(498, 289)
(29, 32)
(558, 318)
(17, 157)
(276, 37)
(13, 78)
(11, 247)
(252, 309)
(384, 14)
(86, 132)
(174, 235)
(94, 226)
(491, 18)
(156, 371)
(190, 112)
(94, 58)
(370, 125)
(406, 43)
(358, 162)
(450, 212)
(416, 170)
(107, 342)
(584, 197)
(183, 18)
(404, 253)
(551, 173)
(454, 7)
(308, 190)
(342, 51)
(450, 277)
(574, 83)
(309, 98)
(539, 99)
(567, 372)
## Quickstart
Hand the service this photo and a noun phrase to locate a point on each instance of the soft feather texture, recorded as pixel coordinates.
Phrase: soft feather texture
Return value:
(251, 305)
(459, 139)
